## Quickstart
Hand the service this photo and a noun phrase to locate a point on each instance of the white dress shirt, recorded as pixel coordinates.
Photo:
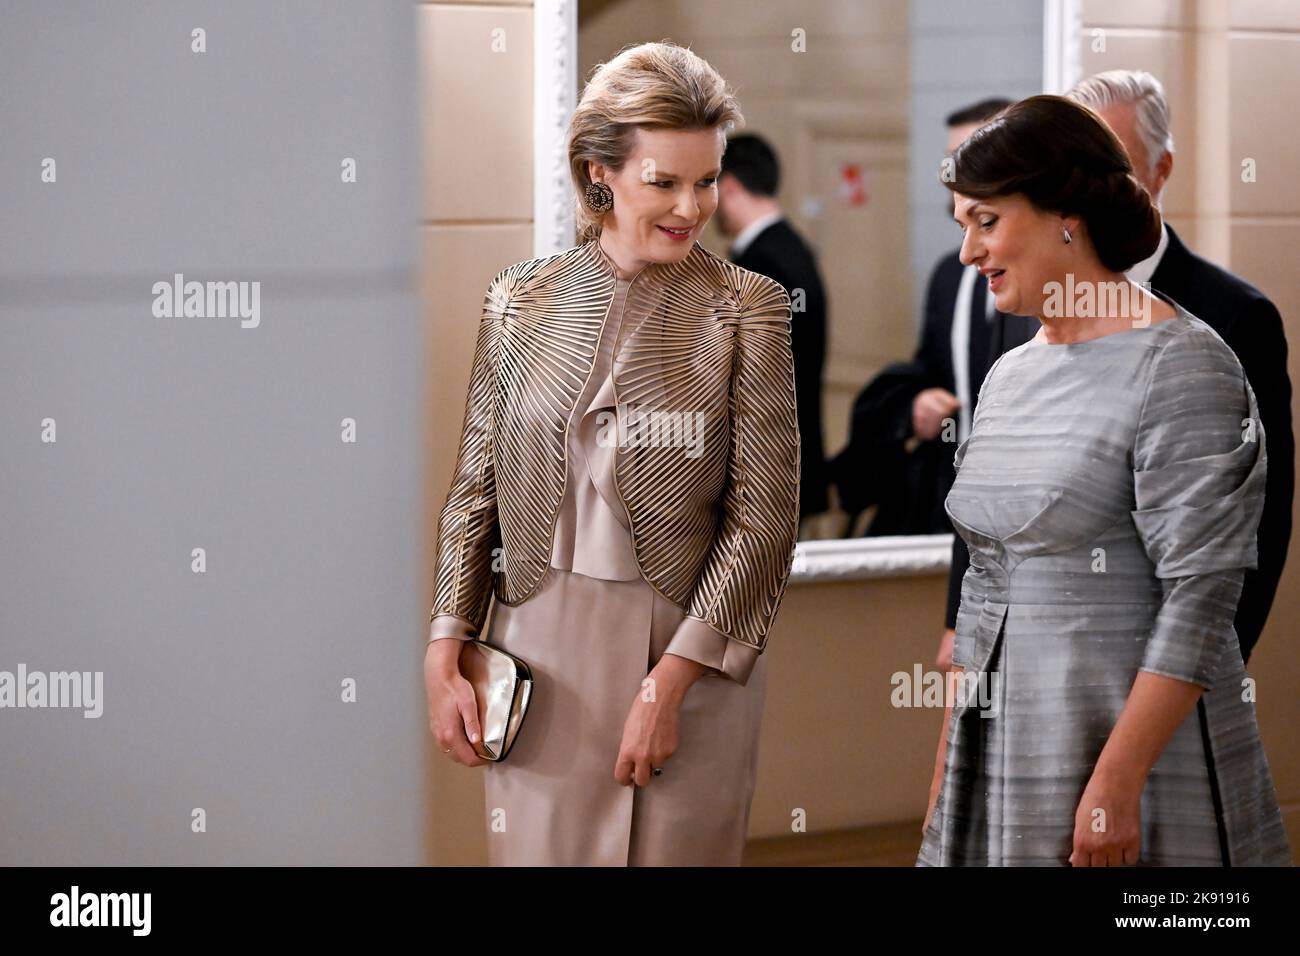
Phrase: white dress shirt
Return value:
(960, 345)
(1142, 271)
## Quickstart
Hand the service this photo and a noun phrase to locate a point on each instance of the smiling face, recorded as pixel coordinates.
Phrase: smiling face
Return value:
(664, 195)
(1018, 246)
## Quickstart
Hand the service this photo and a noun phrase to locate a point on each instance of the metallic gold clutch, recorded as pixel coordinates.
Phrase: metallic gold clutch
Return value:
(503, 685)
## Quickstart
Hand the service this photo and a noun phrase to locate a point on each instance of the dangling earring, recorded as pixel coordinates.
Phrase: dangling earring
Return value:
(599, 197)
(1065, 233)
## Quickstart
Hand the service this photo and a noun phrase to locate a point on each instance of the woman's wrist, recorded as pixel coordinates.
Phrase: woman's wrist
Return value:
(444, 655)
(1123, 776)
(674, 675)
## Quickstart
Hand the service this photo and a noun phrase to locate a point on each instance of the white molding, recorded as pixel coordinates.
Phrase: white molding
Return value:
(1062, 34)
(555, 93)
(858, 559)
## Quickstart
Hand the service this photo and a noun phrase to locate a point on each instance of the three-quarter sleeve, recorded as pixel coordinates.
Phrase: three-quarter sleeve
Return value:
(724, 657)
(449, 627)
(468, 532)
(748, 564)
(1200, 464)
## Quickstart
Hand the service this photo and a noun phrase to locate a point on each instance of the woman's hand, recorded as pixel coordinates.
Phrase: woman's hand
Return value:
(650, 730)
(453, 709)
(935, 787)
(1155, 707)
(1108, 821)
(940, 757)
(943, 658)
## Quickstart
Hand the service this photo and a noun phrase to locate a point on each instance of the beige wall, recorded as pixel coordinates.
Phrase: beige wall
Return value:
(475, 219)
(832, 743)
(1231, 70)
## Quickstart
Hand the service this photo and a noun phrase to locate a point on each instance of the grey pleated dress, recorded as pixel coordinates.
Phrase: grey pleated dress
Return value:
(591, 633)
(1110, 492)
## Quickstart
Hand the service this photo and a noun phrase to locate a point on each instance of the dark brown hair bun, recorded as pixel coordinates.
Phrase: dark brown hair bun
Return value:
(1062, 157)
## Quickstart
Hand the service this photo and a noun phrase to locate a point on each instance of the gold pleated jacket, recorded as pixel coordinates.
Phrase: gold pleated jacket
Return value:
(714, 533)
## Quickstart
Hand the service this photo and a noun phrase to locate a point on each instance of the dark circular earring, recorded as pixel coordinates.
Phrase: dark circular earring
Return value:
(600, 198)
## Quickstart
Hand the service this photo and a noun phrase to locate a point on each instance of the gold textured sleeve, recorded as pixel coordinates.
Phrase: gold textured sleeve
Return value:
(721, 656)
(748, 565)
(467, 526)
(445, 627)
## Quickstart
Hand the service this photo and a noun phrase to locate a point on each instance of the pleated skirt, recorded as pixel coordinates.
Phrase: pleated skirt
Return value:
(1013, 782)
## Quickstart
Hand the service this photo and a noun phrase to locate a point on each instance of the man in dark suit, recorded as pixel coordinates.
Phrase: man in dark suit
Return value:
(963, 335)
(908, 421)
(1133, 104)
(764, 242)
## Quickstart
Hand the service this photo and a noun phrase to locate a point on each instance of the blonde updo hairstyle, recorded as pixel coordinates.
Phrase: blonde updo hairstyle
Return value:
(651, 86)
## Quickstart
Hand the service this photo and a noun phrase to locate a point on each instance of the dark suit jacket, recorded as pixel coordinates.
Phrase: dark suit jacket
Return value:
(1250, 325)
(909, 488)
(779, 253)
(1003, 333)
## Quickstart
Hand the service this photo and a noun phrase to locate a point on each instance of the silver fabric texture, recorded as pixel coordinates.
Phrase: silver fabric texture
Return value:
(1110, 493)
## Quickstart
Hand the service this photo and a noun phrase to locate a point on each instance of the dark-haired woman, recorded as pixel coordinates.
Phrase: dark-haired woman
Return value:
(1110, 492)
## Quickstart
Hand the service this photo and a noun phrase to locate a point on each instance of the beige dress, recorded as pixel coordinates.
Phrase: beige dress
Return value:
(591, 633)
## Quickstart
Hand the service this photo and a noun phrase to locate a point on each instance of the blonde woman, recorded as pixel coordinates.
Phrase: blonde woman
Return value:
(627, 488)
